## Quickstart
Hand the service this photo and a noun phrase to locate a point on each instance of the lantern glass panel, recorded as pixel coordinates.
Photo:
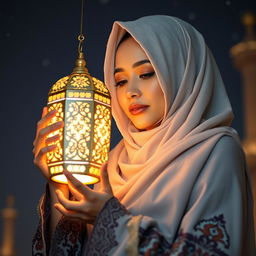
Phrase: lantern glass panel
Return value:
(83, 103)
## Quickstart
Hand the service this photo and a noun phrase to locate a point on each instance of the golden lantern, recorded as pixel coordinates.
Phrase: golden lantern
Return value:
(83, 103)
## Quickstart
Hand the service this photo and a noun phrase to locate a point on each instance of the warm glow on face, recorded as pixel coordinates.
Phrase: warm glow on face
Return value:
(137, 83)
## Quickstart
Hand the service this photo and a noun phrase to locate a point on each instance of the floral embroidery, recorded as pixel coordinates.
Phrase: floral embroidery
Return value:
(153, 243)
(68, 238)
(37, 242)
(40, 242)
(103, 237)
(209, 238)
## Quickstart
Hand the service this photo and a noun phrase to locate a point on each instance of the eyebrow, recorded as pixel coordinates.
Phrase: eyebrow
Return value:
(136, 64)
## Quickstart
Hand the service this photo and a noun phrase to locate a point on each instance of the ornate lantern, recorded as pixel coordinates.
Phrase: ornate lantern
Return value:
(83, 103)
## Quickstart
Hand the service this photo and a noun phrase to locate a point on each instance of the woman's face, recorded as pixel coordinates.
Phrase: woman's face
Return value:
(138, 91)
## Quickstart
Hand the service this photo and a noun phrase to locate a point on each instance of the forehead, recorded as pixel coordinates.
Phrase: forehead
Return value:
(129, 52)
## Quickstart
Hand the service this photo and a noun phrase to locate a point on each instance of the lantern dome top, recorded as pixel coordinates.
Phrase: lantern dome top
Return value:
(79, 79)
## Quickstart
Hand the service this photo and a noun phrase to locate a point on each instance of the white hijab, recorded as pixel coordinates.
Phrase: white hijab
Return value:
(144, 168)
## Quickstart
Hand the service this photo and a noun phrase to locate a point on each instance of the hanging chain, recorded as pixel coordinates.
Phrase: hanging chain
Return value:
(81, 36)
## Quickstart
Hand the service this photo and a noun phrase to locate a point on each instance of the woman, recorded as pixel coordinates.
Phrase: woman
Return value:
(176, 184)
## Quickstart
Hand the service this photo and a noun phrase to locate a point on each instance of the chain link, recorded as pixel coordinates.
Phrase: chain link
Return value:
(81, 37)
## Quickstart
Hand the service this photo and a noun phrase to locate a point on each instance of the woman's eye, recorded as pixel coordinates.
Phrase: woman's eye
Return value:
(143, 76)
(147, 75)
(120, 83)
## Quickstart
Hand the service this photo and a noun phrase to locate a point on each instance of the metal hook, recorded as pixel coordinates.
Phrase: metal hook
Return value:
(81, 40)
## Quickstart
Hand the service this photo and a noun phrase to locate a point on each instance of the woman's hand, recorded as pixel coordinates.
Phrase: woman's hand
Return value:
(41, 141)
(89, 202)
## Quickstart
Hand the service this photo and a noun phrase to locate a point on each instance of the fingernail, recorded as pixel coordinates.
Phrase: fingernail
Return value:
(53, 146)
(67, 173)
(58, 124)
(53, 111)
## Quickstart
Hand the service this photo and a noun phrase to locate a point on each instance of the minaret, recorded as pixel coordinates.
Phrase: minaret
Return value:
(244, 57)
(9, 215)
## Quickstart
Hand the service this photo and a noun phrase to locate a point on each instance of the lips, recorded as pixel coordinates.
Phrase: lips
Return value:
(136, 109)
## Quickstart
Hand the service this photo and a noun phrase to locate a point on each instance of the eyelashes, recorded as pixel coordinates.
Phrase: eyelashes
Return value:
(120, 83)
(142, 76)
(147, 75)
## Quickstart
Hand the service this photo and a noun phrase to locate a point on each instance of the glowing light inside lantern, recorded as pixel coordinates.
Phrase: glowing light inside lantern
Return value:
(85, 179)
(83, 103)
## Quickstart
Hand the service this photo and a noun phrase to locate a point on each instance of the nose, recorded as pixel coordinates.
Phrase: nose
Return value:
(132, 94)
(132, 90)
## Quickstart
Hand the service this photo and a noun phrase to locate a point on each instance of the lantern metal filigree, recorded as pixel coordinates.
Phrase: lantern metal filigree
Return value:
(83, 103)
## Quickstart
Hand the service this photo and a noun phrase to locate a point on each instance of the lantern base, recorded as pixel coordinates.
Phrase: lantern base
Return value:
(85, 179)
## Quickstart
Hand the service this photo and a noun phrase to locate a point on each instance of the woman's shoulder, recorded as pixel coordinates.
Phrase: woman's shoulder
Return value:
(227, 158)
(228, 146)
(224, 168)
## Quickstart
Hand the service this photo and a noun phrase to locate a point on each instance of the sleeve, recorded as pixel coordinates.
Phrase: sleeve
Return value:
(68, 237)
(217, 220)
(219, 216)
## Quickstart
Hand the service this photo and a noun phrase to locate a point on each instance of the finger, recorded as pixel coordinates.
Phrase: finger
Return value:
(68, 204)
(47, 118)
(44, 132)
(47, 115)
(39, 157)
(74, 192)
(44, 123)
(79, 186)
(68, 213)
(44, 112)
(50, 128)
(52, 139)
(41, 123)
(104, 179)
(39, 143)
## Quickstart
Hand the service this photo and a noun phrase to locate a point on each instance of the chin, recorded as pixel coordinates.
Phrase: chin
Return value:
(144, 127)
(149, 125)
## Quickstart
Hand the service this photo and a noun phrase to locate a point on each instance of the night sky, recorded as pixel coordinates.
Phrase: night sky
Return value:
(39, 46)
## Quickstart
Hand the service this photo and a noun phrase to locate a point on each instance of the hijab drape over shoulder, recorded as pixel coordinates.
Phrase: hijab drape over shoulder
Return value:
(196, 104)
(165, 174)
(197, 107)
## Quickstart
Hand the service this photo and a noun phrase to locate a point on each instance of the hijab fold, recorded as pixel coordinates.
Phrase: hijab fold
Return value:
(145, 168)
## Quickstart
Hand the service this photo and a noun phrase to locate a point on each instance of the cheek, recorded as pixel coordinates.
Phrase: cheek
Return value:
(157, 96)
(155, 91)
(121, 99)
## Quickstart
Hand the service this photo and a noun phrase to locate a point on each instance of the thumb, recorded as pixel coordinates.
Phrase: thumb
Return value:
(45, 111)
(105, 184)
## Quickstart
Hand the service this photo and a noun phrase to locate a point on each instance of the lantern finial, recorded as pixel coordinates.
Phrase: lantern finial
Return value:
(80, 67)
